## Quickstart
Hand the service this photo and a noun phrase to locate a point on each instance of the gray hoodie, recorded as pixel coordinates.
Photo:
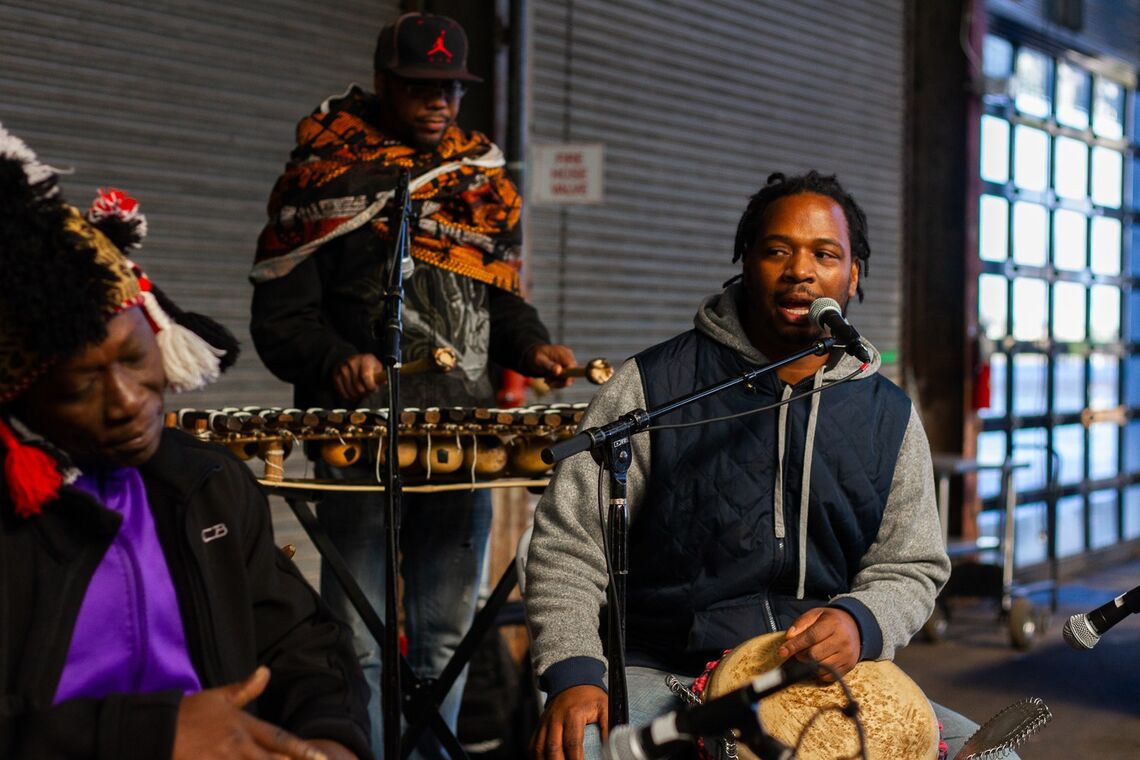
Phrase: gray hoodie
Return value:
(898, 579)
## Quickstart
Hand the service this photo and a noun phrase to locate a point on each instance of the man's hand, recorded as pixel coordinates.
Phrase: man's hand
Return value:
(564, 721)
(333, 750)
(827, 635)
(549, 361)
(212, 726)
(357, 376)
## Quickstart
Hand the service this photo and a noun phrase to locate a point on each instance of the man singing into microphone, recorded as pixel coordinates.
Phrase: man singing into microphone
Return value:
(817, 518)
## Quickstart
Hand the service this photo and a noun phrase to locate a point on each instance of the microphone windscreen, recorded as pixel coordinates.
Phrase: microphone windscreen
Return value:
(1078, 632)
(821, 305)
(623, 744)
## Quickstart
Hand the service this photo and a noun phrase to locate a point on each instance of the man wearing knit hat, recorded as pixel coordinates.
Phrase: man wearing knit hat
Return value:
(144, 609)
(321, 268)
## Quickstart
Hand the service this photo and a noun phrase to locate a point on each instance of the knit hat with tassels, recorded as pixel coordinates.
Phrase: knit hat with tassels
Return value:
(64, 275)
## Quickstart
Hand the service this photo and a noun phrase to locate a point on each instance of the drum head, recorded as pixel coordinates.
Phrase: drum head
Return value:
(898, 720)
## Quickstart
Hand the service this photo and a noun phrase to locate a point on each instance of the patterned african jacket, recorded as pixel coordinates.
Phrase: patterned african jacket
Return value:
(323, 258)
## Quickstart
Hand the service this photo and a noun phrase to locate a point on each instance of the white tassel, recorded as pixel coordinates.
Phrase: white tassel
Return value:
(13, 147)
(189, 361)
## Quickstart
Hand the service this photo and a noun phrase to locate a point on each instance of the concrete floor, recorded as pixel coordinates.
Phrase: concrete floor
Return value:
(1094, 695)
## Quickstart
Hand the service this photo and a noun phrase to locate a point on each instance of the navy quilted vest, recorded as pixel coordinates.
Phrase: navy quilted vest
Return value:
(706, 569)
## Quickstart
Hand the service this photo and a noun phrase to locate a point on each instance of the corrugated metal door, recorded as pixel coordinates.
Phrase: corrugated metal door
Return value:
(696, 104)
(189, 106)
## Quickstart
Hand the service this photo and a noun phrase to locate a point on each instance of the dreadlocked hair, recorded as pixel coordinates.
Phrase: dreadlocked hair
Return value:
(780, 186)
(55, 292)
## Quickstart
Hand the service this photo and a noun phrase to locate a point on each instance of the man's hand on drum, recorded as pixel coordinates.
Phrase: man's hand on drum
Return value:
(549, 361)
(357, 376)
(564, 722)
(827, 635)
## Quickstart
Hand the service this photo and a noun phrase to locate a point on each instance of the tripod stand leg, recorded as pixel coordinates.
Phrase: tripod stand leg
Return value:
(336, 563)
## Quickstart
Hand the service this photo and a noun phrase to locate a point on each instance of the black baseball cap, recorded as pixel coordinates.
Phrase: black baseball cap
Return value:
(424, 46)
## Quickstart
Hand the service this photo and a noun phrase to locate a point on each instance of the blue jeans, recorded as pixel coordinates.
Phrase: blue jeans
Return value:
(443, 539)
(650, 698)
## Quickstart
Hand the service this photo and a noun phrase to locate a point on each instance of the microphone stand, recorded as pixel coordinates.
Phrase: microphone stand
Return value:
(609, 444)
(390, 357)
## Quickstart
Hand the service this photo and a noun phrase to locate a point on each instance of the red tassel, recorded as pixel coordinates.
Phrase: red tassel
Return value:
(32, 475)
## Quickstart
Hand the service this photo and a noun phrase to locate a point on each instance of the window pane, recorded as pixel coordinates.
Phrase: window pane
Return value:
(1070, 237)
(1029, 534)
(1030, 158)
(1073, 88)
(1102, 519)
(1070, 525)
(997, 57)
(1106, 240)
(1030, 229)
(1029, 446)
(1104, 316)
(1107, 177)
(1132, 511)
(1136, 239)
(1069, 444)
(997, 381)
(1104, 376)
(1132, 446)
(993, 223)
(992, 307)
(989, 526)
(1069, 312)
(1030, 392)
(1103, 450)
(1029, 309)
(991, 450)
(1134, 319)
(1068, 383)
(995, 149)
(1132, 375)
(1108, 108)
(1034, 85)
(1071, 172)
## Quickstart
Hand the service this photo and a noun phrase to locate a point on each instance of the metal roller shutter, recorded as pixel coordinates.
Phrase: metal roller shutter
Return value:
(696, 104)
(190, 107)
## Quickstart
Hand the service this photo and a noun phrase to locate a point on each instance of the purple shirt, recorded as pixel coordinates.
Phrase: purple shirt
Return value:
(129, 635)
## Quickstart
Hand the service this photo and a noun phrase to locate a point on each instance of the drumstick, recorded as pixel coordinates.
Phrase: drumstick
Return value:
(597, 371)
(442, 359)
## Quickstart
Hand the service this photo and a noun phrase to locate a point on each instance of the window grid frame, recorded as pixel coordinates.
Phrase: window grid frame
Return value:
(1127, 283)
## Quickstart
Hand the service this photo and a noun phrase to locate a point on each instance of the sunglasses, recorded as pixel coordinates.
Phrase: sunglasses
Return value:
(431, 89)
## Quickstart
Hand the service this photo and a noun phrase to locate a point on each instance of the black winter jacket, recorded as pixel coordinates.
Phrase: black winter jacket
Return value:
(243, 604)
(307, 323)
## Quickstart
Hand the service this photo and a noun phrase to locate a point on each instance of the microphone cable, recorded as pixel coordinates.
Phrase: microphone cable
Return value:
(851, 710)
(765, 408)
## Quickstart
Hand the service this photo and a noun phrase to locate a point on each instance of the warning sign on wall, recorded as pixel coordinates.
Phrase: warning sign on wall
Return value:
(569, 173)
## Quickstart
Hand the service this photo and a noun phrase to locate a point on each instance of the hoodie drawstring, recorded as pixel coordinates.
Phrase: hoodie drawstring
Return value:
(805, 484)
(778, 497)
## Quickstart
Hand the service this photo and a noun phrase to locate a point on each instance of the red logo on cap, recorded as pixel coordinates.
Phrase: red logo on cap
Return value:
(439, 47)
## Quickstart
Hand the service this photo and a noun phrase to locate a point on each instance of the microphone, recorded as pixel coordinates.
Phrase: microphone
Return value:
(826, 312)
(735, 710)
(1084, 631)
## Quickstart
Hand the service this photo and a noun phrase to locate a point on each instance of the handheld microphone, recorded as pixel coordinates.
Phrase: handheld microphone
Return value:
(1084, 631)
(826, 312)
(735, 710)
